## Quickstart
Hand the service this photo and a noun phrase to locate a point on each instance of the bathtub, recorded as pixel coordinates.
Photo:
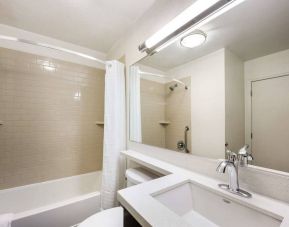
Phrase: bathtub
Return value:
(57, 203)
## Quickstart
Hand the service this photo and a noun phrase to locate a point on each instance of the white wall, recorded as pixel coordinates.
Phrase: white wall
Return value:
(273, 64)
(19, 33)
(264, 67)
(207, 103)
(235, 105)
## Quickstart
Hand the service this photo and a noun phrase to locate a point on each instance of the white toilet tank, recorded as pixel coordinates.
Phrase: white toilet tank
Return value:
(138, 175)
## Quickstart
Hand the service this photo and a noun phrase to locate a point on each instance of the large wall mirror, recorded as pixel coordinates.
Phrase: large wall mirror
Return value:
(231, 90)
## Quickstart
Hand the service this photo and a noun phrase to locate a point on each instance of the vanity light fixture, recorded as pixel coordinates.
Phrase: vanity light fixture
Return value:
(194, 39)
(192, 18)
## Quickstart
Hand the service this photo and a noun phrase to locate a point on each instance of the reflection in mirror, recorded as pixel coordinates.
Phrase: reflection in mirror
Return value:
(161, 99)
(231, 89)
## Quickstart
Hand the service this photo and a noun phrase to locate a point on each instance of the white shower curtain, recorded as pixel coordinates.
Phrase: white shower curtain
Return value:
(135, 107)
(114, 132)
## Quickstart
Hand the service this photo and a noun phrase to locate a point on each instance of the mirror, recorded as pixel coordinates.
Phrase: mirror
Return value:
(231, 90)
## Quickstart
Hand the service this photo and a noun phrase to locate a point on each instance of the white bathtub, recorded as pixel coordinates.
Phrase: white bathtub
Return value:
(57, 203)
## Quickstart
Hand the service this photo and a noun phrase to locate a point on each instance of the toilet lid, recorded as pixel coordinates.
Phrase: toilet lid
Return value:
(108, 218)
(139, 175)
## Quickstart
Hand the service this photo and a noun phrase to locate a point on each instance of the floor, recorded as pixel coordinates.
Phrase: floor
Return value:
(129, 220)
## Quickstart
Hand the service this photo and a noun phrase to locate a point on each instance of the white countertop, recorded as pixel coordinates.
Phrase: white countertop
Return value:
(149, 212)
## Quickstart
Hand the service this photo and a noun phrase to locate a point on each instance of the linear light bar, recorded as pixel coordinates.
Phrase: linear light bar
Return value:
(198, 14)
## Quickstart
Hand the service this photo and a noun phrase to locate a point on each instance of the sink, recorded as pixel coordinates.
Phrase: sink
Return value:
(202, 208)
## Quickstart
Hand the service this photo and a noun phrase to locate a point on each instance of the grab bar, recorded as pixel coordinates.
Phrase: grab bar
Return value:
(186, 139)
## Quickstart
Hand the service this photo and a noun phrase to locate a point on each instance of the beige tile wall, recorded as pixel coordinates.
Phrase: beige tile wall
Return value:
(158, 103)
(152, 112)
(48, 108)
(178, 112)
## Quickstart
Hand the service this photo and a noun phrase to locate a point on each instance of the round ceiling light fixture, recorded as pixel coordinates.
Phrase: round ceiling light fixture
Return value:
(194, 39)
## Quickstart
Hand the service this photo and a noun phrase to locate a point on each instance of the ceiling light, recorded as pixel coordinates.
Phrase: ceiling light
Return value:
(194, 39)
(198, 14)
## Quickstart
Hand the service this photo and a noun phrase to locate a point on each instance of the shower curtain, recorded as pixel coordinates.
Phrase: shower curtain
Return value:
(135, 107)
(114, 132)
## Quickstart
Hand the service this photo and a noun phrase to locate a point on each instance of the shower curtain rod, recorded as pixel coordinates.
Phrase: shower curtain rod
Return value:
(153, 74)
(162, 76)
(49, 46)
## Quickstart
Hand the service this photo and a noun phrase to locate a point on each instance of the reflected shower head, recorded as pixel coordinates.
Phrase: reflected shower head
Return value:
(172, 87)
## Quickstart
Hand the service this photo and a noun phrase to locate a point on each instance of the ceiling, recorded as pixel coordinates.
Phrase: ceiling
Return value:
(95, 24)
(253, 29)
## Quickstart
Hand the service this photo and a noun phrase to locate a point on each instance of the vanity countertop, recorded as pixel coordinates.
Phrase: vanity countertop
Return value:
(148, 211)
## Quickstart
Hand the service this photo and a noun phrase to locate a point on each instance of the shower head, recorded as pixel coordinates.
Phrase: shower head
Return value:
(179, 82)
(172, 87)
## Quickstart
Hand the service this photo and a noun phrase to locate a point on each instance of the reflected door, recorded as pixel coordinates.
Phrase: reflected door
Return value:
(270, 123)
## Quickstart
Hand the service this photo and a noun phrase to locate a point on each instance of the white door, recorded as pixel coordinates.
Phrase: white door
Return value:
(270, 123)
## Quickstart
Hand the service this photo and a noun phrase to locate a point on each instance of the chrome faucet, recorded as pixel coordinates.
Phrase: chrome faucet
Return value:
(244, 156)
(231, 164)
(233, 174)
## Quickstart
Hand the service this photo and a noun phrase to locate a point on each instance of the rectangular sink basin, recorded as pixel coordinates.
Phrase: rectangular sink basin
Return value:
(202, 208)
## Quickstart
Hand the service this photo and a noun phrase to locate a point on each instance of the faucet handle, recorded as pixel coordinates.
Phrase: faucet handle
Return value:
(244, 156)
(250, 157)
(244, 150)
(231, 156)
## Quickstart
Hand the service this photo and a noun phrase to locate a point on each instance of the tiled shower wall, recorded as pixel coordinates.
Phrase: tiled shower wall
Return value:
(48, 110)
(178, 112)
(153, 112)
(158, 104)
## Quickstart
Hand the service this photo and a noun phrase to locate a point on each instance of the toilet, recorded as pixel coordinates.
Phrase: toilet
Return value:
(108, 218)
(114, 217)
(138, 175)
